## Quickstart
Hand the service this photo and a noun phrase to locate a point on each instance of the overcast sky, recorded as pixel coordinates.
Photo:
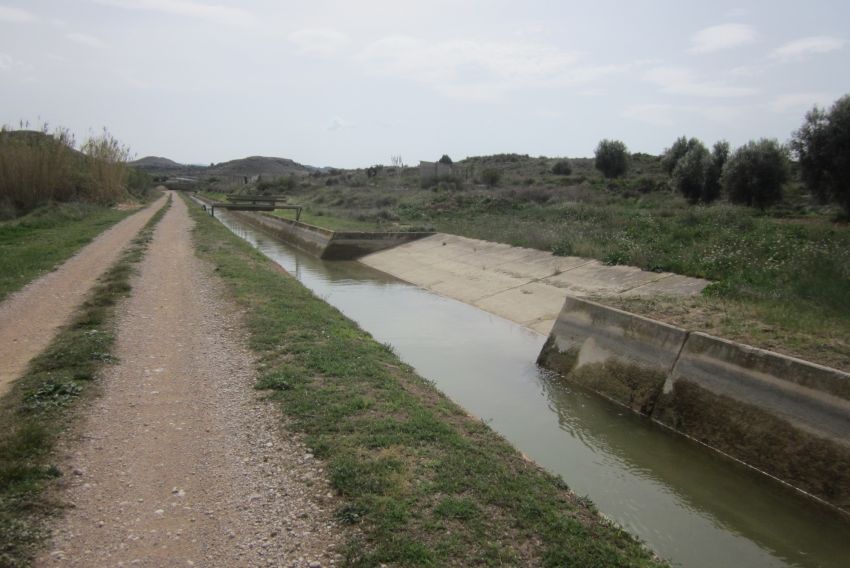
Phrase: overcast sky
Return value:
(345, 83)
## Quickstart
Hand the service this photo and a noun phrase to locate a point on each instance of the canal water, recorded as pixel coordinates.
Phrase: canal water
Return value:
(691, 506)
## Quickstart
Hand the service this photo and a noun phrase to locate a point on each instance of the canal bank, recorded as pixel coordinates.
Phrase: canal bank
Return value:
(692, 507)
(785, 417)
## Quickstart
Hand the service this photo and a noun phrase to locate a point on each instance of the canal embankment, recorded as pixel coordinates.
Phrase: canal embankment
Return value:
(694, 507)
(324, 243)
(426, 483)
(526, 286)
(783, 416)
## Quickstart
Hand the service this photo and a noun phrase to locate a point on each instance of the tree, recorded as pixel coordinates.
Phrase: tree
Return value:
(676, 152)
(822, 146)
(755, 173)
(719, 155)
(562, 168)
(445, 160)
(689, 175)
(612, 158)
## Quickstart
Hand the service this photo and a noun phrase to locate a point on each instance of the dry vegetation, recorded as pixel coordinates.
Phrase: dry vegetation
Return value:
(40, 166)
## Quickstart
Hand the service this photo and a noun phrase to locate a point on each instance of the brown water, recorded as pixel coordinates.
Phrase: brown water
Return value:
(692, 506)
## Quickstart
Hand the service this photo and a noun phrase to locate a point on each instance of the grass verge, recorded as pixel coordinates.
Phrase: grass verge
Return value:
(40, 406)
(427, 484)
(46, 237)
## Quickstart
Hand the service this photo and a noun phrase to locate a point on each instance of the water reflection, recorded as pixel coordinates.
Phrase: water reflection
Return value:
(690, 505)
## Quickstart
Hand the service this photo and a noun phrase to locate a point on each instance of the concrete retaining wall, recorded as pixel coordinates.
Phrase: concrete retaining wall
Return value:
(784, 416)
(623, 356)
(321, 242)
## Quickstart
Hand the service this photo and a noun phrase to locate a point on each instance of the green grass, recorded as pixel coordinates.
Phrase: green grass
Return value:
(331, 222)
(41, 404)
(36, 243)
(426, 484)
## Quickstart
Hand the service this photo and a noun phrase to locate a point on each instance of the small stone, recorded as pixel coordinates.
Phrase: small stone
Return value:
(315, 564)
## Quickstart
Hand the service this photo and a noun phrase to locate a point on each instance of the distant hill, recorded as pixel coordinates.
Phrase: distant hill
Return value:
(156, 164)
(245, 167)
(259, 165)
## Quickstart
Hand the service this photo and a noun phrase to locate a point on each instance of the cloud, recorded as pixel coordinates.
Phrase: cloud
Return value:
(657, 115)
(338, 123)
(666, 115)
(87, 40)
(683, 81)
(724, 36)
(799, 102)
(798, 49)
(200, 10)
(6, 61)
(478, 70)
(15, 15)
(321, 41)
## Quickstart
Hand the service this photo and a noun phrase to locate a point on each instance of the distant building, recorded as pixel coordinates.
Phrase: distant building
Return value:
(428, 170)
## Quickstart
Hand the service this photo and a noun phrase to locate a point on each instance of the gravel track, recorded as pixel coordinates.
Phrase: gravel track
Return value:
(180, 462)
(30, 317)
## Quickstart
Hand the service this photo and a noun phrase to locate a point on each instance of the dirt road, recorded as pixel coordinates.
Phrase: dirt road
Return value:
(30, 317)
(180, 462)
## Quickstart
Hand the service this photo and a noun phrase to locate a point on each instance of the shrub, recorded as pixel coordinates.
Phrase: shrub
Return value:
(755, 173)
(822, 145)
(562, 168)
(491, 177)
(689, 175)
(445, 160)
(612, 158)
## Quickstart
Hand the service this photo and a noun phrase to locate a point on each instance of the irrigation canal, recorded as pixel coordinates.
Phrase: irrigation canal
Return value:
(691, 506)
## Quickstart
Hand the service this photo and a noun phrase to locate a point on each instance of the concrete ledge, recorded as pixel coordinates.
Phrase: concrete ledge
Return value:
(784, 416)
(620, 355)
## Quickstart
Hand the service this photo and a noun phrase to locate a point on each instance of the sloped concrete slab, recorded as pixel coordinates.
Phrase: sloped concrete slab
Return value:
(524, 285)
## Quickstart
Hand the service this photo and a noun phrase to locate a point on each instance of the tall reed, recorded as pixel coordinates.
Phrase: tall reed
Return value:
(37, 166)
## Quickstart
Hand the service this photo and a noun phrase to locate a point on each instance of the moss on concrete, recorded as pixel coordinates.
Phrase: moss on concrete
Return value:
(818, 466)
(629, 384)
(556, 360)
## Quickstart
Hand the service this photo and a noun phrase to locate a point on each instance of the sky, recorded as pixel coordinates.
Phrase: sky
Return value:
(350, 84)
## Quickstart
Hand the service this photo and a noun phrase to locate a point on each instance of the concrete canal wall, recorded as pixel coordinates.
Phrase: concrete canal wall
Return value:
(321, 242)
(784, 416)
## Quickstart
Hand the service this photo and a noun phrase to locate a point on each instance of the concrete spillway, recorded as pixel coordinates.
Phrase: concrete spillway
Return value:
(694, 508)
(526, 286)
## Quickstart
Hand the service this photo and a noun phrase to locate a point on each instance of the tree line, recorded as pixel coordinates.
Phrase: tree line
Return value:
(754, 174)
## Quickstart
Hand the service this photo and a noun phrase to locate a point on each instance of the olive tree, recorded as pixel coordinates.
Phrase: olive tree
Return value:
(612, 158)
(822, 146)
(719, 155)
(755, 172)
(689, 175)
(676, 152)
